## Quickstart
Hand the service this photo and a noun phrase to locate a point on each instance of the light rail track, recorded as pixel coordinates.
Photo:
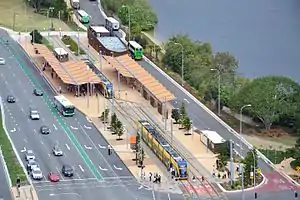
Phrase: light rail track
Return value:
(132, 113)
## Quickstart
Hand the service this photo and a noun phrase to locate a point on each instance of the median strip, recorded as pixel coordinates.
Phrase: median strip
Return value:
(62, 123)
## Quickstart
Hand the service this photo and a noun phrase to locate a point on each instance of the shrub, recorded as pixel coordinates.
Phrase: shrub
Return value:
(67, 40)
(295, 163)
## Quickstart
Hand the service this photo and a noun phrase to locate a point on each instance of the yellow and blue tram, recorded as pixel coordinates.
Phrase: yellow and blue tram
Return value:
(163, 150)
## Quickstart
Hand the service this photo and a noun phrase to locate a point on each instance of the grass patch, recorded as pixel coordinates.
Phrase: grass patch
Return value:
(14, 167)
(72, 45)
(25, 19)
(275, 156)
(48, 44)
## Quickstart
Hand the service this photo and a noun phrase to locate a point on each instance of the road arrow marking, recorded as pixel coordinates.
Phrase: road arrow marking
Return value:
(13, 130)
(118, 168)
(87, 127)
(67, 147)
(75, 128)
(89, 148)
(140, 187)
(54, 127)
(186, 100)
(103, 169)
(23, 150)
(101, 147)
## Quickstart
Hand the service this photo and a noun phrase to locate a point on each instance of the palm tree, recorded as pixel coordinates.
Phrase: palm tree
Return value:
(119, 129)
(70, 12)
(187, 124)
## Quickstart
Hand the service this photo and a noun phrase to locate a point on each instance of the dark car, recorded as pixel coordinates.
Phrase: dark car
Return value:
(38, 92)
(11, 99)
(67, 170)
(45, 130)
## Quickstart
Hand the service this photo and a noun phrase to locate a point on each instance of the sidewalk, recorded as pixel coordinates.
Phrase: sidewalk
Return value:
(25, 193)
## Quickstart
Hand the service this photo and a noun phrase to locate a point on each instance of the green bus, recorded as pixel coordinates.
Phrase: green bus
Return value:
(83, 17)
(136, 50)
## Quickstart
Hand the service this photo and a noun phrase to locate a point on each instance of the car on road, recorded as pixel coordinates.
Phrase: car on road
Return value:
(45, 130)
(36, 173)
(67, 170)
(37, 92)
(53, 177)
(29, 155)
(57, 150)
(34, 114)
(2, 61)
(11, 99)
(31, 164)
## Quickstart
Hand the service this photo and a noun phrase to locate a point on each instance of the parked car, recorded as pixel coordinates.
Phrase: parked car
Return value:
(67, 170)
(29, 155)
(53, 177)
(37, 173)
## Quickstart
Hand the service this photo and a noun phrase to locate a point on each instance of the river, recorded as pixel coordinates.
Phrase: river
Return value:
(264, 35)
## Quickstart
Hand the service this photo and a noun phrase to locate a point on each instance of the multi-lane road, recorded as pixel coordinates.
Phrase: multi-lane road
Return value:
(96, 173)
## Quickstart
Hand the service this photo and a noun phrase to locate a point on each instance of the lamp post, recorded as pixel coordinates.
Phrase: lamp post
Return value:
(78, 52)
(129, 21)
(219, 90)
(241, 129)
(14, 20)
(182, 63)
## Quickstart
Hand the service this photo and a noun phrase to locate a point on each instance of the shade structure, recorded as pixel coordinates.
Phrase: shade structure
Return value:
(71, 72)
(130, 68)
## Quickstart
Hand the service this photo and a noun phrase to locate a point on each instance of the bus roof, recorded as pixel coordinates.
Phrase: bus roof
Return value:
(112, 20)
(60, 51)
(99, 29)
(82, 13)
(135, 44)
(75, 1)
(63, 100)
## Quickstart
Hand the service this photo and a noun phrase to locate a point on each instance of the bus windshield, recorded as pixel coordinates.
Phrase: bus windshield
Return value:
(69, 110)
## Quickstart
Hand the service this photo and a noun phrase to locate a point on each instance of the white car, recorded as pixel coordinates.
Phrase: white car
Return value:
(57, 151)
(32, 164)
(2, 61)
(34, 114)
(29, 155)
(37, 173)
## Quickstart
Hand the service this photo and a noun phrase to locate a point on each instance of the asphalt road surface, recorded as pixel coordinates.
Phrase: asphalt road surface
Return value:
(96, 173)
(91, 7)
(4, 186)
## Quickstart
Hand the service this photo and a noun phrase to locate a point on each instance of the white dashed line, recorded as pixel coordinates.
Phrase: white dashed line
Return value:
(34, 131)
(89, 148)
(54, 127)
(81, 168)
(68, 147)
(87, 127)
(25, 141)
(13, 130)
(186, 100)
(117, 168)
(23, 150)
(42, 142)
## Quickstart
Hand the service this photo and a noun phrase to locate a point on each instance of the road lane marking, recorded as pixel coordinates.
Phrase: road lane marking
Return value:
(42, 142)
(101, 147)
(49, 155)
(103, 169)
(13, 130)
(22, 109)
(81, 168)
(87, 127)
(140, 187)
(186, 100)
(118, 168)
(34, 131)
(68, 147)
(23, 150)
(25, 141)
(58, 171)
(75, 128)
(89, 148)
(54, 127)
(88, 119)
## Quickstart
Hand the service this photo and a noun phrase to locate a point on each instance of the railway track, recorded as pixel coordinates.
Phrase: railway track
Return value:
(195, 188)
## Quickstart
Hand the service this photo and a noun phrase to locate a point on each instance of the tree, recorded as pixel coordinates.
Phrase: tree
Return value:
(141, 15)
(271, 97)
(36, 37)
(175, 115)
(119, 129)
(60, 8)
(141, 157)
(224, 154)
(182, 114)
(113, 123)
(249, 166)
(36, 4)
(187, 125)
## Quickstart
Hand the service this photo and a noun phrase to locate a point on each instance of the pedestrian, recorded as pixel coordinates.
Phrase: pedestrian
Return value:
(150, 176)
(51, 74)
(144, 175)
(237, 169)
(159, 179)
(219, 175)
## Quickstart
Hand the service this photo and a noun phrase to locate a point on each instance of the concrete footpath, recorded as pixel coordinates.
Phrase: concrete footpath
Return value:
(24, 193)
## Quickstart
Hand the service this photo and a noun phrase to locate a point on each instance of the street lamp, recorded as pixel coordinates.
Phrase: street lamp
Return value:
(219, 90)
(129, 21)
(241, 129)
(182, 62)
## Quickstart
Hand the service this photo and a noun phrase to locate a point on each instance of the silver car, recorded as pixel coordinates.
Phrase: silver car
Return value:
(32, 164)
(29, 155)
(2, 61)
(57, 151)
(34, 114)
(37, 173)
